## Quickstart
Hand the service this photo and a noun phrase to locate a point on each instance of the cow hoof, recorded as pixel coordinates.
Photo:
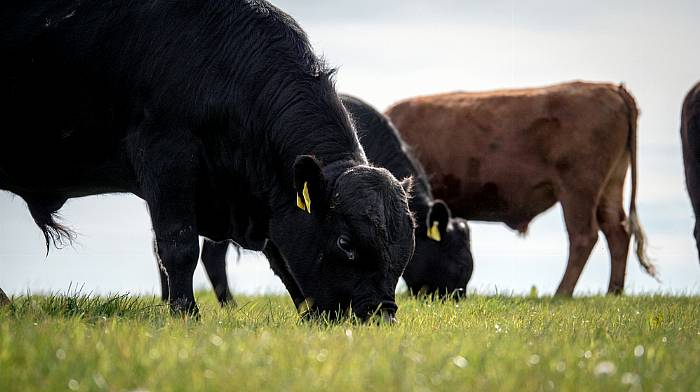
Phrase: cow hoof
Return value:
(615, 290)
(4, 300)
(185, 308)
(563, 295)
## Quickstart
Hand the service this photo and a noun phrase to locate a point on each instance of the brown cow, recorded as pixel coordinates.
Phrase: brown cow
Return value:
(509, 155)
(690, 137)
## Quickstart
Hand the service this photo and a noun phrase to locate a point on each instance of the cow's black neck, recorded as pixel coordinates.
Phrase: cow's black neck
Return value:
(290, 107)
(309, 123)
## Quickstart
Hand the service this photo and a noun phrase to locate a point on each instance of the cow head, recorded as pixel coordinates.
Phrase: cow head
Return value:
(346, 236)
(442, 263)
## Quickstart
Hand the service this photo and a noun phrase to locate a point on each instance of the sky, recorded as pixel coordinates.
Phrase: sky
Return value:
(389, 50)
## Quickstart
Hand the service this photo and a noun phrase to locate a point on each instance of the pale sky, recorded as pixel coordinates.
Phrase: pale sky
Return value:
(389, 50)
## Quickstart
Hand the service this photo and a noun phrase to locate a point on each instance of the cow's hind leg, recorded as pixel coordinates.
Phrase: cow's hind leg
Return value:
(214, 260)
(612, 218)
(582, 227)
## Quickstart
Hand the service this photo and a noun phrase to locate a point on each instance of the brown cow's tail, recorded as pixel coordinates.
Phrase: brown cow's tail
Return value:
(632, 225)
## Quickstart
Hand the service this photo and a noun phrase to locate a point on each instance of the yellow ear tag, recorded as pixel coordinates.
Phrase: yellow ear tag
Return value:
(306, 203)
(300, 203)
(434, 233)
(307, 199)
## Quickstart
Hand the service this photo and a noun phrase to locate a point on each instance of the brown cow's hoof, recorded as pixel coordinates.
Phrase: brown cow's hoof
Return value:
(563, 293)
(615, 290)
(4, 300)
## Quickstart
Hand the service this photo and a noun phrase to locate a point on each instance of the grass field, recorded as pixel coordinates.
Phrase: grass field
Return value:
(481, 343)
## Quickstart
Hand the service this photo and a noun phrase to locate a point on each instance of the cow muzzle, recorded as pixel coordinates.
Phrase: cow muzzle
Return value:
(384, 313)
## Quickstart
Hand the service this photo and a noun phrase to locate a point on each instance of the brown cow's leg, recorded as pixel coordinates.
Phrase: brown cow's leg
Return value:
(581, 224)
(611, 217)
(612, 223)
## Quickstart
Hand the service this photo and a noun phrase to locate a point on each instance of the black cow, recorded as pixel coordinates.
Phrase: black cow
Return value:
(217, 114)
(690, 138)
(442, 262)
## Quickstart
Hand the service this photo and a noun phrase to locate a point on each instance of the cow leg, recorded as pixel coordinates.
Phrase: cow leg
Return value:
(214, 260)
(167, 169)
(612, 217)
(4, 300)
(280, 267)
(178, 249)
(164, 290)
(581, 225)
(696, 233)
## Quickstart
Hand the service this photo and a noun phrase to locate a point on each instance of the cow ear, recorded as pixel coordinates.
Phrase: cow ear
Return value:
(308, 183)
(407, 185)
(438, 217)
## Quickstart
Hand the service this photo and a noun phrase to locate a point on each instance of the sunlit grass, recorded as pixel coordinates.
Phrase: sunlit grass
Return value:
(482, 343)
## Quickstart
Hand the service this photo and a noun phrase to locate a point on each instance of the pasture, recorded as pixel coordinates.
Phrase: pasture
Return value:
(121, 343)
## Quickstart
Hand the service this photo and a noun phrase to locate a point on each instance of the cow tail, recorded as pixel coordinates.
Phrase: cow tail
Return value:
(632, 224)
(54, 232)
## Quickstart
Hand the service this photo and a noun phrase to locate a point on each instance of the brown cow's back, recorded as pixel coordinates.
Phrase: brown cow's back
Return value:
(500, 156)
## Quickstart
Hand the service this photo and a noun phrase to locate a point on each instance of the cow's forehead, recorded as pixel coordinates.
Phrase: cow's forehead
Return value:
(366, 181)
(361, 193)
(373, 202)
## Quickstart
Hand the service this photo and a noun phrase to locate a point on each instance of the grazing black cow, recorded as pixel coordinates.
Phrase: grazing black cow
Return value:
(442, 262)
(219, 115)
(690, 137)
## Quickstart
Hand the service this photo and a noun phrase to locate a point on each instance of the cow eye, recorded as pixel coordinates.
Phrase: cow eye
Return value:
(345, 245)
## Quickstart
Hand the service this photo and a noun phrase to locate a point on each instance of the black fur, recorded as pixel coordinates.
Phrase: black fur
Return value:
(201, 108)
(443, 267)
(690, 137)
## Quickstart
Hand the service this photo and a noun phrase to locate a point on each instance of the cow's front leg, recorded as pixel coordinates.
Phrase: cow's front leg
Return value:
(177, 246)
(167, 166)
(280, 267)
(164, 289)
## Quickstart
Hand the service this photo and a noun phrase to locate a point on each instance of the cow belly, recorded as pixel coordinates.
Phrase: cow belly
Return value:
(66, 171)
(496, 200)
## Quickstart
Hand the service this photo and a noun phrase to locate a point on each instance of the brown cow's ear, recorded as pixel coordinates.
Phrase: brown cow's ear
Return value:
(308, 183)
(438, 218)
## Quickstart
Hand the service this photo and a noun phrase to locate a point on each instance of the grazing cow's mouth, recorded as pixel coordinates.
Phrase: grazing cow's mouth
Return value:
(385, 311)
